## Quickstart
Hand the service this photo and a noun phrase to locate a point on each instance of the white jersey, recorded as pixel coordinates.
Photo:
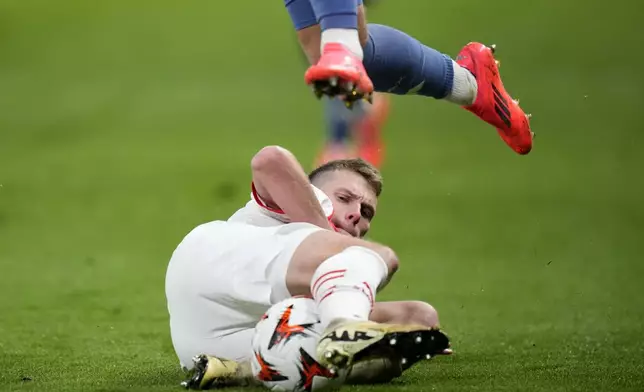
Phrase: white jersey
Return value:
(225, 274)
(257, 213)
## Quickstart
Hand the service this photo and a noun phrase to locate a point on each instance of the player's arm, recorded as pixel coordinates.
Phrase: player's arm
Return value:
(281, 184)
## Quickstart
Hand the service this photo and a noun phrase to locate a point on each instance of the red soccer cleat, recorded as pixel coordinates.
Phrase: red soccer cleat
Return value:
(339, 72)
(493, 104)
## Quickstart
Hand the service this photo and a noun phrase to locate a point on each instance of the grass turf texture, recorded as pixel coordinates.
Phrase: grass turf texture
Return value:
(124, 124)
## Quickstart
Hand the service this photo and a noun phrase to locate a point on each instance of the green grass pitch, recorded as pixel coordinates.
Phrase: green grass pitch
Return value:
(125, 124)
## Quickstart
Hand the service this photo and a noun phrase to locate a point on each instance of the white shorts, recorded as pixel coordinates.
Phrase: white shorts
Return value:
(221, 279)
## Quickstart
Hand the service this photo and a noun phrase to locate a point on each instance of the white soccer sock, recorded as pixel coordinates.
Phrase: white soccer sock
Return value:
(346, 37)
(344, 286)
(464, 88)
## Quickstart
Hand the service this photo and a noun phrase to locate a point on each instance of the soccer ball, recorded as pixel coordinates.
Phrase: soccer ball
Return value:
(284, 346)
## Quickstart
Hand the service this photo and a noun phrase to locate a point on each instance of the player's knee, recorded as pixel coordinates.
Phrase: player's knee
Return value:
(422, 313)
(384, 253)
(323, 245)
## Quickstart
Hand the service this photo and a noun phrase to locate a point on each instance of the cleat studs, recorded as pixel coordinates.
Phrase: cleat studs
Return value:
(348, 104)
(427, 356)
(393, 342)
(492, 48)
(328, 355)
(419, 339)
(529, 115)
(431, 338)
(403, 361)
(498, 63)
(369, 98)
(517, 101)
(333, 370)
(333, 81)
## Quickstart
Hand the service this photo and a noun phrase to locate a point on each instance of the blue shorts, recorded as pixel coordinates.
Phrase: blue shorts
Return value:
(302, 13)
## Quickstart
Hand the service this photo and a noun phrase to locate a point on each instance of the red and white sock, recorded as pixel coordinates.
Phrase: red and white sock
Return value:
(344, 286)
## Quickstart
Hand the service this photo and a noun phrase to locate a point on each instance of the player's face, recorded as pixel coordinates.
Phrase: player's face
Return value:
(354, 202)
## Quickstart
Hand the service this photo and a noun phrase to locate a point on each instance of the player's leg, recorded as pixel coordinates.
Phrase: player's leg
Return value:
(343, 275)
(216, 371)
(400, 64)
(337, 118)
(339, 71)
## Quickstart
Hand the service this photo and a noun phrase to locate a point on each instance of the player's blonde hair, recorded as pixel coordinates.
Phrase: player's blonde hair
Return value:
(369, 172)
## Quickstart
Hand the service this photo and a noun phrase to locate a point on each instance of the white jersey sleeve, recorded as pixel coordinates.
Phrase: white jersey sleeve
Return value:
(257, 213)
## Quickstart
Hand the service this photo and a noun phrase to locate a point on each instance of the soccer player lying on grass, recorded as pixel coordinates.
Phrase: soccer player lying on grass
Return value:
(295, 230)
(351, 59)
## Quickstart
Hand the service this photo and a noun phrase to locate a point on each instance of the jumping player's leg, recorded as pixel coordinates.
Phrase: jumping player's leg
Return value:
(340, 122)
(389, 56)
(399, 64)
(337, 29)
